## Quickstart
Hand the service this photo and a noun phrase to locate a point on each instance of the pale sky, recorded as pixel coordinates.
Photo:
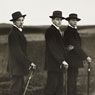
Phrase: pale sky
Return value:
(38, 11)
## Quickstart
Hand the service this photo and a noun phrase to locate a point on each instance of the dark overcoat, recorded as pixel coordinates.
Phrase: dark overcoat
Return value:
(76, 56)
(18, 63)
(55, 51)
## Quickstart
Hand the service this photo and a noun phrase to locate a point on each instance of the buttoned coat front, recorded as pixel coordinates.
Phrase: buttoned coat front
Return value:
(55, 51)
(18, 63)
(76, 56)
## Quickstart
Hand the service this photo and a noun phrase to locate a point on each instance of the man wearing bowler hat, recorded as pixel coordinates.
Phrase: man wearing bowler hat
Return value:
(18, 62)
(55, 56)
(75, 55)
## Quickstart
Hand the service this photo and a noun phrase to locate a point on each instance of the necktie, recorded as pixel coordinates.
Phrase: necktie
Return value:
(62, 33)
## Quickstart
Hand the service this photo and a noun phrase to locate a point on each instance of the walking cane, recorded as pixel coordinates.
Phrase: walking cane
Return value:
(88, 79)
(66, 77)
(27, 84)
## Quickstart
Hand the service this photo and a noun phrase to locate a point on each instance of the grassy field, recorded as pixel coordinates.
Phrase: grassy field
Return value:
(36, 51)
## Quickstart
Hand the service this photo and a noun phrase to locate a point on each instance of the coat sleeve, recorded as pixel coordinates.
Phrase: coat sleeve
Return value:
(75, 40)
(16, 51)
(80, 52)
(55, 46)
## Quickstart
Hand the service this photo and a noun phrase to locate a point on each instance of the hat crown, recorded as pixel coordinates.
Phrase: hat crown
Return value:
(16, 15)
(57, 14)
(73, 16)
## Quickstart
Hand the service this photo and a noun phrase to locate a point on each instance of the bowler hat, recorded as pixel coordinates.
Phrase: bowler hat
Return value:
(16, 15)
(57, 14)
(73, 16)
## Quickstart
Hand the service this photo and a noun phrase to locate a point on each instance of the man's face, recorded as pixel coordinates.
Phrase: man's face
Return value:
(19, 22)
(57, 21)
(73, 22)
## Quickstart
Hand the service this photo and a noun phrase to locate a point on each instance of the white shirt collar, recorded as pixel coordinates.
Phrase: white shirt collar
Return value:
(58, 29)
(20, 29)
(56, 26)
(73, 27)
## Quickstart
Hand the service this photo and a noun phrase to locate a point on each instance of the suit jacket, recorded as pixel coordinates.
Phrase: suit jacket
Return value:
(18, 62)
(76, 56)
(55, 52)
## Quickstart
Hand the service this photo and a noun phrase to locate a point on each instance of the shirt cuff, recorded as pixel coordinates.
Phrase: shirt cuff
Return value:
(65, 63)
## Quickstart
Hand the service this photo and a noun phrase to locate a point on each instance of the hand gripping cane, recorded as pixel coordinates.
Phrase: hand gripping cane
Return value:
(88, 79)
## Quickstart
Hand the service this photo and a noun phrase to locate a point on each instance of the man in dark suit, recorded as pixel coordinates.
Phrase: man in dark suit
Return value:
(75, 55)
(18, 63)
(55, 56)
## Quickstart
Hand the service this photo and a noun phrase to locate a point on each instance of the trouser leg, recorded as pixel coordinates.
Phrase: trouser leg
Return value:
(60, 88)
(17, 85)
(54, 84)
(72, 81)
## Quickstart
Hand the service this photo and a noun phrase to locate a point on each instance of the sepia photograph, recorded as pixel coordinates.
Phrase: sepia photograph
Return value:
(47, 47)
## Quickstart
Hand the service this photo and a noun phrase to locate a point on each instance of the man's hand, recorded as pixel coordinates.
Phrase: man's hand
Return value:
(32, 66)
(65, 64)
(70, 47)
(89, 59)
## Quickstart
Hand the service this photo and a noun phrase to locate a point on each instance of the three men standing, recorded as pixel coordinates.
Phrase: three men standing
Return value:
(18, 63)
(62, 52)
